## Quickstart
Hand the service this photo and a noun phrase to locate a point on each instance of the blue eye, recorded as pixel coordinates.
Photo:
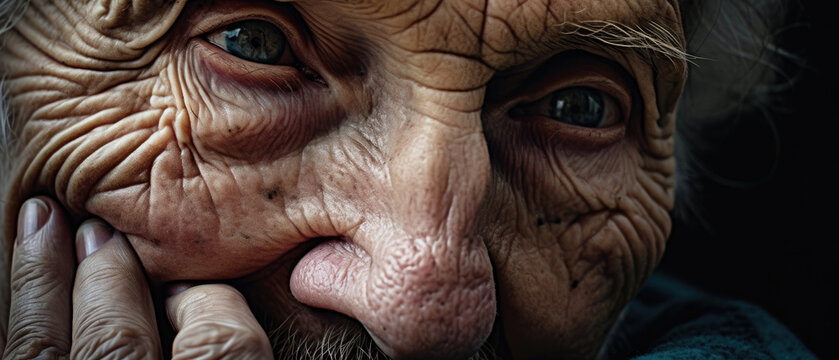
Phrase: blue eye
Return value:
(578, 106)
(253, 40)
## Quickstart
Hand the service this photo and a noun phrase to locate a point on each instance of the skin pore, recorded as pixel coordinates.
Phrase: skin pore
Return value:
(394, 170)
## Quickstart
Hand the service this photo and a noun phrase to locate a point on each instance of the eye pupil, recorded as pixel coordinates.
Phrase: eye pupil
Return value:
(577, 106)
(255, 40)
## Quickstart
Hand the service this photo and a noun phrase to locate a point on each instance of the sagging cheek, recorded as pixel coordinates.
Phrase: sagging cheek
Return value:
(181, 159)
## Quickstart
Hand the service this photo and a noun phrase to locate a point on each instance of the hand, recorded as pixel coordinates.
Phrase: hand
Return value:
(104, 308)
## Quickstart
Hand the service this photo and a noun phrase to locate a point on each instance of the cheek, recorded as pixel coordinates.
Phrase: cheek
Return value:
(573, 233)
(187, 164)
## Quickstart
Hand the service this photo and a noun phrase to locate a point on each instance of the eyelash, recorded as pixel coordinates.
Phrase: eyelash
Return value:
(241, 70)
(574, 70)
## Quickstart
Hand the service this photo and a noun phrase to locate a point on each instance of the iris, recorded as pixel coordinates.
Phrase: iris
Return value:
(581, 106)
(255, 40)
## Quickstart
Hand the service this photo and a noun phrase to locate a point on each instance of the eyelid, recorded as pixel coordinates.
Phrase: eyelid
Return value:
(204, 18)
(578, 69)
(212, 18)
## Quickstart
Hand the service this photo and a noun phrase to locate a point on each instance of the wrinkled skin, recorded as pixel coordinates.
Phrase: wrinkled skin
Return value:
(384, 179)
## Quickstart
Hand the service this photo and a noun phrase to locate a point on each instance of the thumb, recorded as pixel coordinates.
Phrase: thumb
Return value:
(214, 322)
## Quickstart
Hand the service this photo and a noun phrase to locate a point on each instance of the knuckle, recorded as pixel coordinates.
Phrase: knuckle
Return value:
(96, 275)
(95, 278)
(207, 340)
(104, 263)
(33, 273)
(35, 346)
(36, 333)
(115, 343)
(29, 326)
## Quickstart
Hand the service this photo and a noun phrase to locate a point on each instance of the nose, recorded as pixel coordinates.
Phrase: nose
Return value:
(414, 274)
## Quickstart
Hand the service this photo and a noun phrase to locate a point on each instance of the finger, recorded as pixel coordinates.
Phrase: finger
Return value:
(113, 313)
(215, 322)
(41, 280)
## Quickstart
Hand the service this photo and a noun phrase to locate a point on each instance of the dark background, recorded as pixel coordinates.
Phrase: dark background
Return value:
(774, 242)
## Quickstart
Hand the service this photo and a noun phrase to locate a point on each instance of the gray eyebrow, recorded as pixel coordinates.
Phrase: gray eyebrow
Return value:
(648, 39)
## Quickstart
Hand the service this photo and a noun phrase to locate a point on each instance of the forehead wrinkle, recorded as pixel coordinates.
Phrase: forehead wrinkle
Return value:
(589, 19)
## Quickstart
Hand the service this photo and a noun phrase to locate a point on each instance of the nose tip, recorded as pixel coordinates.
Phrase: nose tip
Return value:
(417, 299)
(429, 302)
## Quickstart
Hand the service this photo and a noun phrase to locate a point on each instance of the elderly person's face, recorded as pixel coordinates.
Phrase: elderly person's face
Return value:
(444, 173)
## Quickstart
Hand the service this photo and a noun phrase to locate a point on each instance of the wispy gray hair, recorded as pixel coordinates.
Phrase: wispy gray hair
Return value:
(736, 76)
(10, 12)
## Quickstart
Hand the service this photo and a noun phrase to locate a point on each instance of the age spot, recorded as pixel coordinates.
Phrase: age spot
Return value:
(271, 194)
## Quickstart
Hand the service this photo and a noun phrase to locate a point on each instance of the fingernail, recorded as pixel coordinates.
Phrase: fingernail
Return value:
(33, 215)
(91, 236)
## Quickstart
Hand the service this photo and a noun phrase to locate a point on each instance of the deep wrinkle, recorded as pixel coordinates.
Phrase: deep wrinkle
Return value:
(409, 160)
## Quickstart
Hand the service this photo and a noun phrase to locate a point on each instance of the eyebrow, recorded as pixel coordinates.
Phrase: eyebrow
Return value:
(649, 40)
